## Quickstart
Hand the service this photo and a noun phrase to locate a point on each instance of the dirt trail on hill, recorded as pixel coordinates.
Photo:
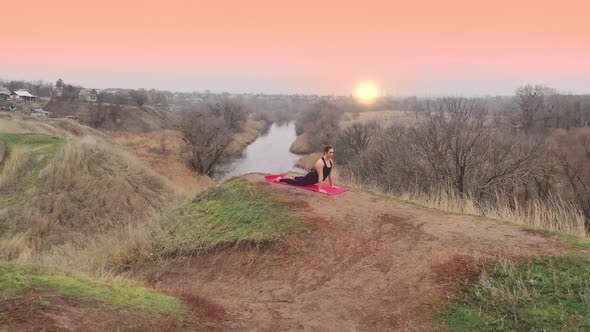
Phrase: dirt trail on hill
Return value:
(369, 265)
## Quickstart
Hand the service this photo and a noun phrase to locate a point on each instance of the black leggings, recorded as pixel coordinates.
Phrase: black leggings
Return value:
(298, 181)
(307, 180)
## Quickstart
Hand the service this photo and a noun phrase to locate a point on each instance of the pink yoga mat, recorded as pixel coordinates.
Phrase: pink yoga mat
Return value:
(314, 187)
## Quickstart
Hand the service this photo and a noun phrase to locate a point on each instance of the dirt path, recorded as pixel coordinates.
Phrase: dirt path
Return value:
(370, 264)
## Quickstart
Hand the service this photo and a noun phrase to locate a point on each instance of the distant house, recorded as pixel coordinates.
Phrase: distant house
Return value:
(4, 93)
(89, 95)
(23, 95)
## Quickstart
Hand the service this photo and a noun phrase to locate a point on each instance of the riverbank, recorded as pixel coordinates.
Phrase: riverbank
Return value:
(252, 129)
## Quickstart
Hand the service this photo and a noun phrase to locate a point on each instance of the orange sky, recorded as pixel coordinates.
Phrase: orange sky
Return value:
(409, 47)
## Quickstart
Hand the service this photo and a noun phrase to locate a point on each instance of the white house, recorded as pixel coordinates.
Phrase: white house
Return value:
(4, 93)
(23, 95)
(89, 95)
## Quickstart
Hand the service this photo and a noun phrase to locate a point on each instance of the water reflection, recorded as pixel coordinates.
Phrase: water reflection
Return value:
(268, 154)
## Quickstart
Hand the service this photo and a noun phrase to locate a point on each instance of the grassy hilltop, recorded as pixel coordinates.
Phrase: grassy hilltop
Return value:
(90, 235)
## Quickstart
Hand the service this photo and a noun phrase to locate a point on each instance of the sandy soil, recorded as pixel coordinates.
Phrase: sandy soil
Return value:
(369, 265)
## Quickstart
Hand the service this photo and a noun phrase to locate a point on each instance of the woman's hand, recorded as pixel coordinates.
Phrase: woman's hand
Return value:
(334, 187)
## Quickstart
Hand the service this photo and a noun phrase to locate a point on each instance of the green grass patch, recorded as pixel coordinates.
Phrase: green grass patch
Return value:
(32, 140)
(234, 212)
(541, 294)
(15, 279)
(41, 150)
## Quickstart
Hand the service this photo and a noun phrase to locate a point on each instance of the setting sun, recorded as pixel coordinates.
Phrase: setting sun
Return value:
(367, 92)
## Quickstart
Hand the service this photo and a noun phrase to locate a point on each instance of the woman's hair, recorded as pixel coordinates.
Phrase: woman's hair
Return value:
(326, 148)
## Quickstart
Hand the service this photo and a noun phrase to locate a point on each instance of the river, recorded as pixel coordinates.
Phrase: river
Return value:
(267, 154)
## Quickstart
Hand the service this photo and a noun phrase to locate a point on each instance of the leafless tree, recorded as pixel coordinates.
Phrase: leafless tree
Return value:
(233, 112)
(571, 151)
(460, 143)
(208, 138)
(140, 97)
(530, 101)
(356, 138)
(320, 122)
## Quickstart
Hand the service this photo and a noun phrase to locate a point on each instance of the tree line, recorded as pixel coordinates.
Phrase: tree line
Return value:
(534, 149)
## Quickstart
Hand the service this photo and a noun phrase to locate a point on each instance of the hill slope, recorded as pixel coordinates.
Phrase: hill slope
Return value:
(53, 189)
(33, 299)
(371, 265)
(114, 117)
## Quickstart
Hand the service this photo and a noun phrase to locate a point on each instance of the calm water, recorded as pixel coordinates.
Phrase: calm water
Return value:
(268, 154)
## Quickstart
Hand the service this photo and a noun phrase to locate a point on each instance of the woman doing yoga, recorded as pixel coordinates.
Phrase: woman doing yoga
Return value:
(323, 170)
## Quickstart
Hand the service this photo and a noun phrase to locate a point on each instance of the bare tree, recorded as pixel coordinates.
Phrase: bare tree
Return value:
(388, 162)
(571, 150)
(320, 122)
(98, 116)
(460, 144)
(233, 113)
(208, 138)
(531, 100)
(357, 137)
(140, 97)
(567, 111)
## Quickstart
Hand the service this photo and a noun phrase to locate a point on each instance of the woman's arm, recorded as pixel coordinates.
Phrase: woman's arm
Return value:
(331, 176)
(319, 166)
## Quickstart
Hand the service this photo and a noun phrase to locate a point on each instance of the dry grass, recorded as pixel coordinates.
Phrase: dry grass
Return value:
(389, 117)
(301, 145)
(92, 208)
(100, 255)
(446, 201)
(165, 152)
(555, 214)
(13, 170)
(83, 207)
(22, 124)
(131, 118)
(84, 190)
(103, 254)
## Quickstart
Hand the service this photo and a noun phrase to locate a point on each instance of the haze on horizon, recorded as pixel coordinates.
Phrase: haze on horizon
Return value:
(422, 47)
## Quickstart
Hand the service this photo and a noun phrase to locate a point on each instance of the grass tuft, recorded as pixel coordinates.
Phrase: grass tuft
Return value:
(541, 294)
(16, 279)
(232, 213)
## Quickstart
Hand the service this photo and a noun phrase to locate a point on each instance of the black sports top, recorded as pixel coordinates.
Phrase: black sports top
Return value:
(327, 169)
